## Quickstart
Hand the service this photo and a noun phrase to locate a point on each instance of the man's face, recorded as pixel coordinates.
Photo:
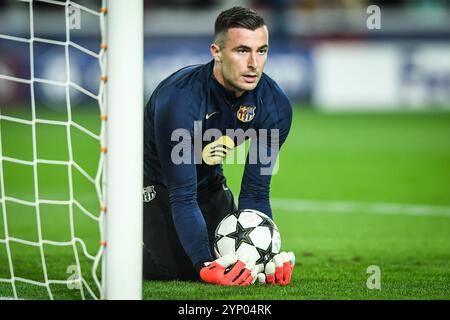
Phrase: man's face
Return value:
(241, 59)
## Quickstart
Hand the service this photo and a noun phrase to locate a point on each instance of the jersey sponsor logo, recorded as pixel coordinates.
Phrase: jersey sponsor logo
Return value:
(149, 193)
(246, 113)
(209, 115)
(216, 151)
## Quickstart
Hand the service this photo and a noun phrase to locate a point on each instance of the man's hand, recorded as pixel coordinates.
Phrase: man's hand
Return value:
(258, 274)
(228, 271)
(279, 270)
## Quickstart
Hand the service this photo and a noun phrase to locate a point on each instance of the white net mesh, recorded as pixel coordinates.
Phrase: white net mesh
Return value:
(52, 195)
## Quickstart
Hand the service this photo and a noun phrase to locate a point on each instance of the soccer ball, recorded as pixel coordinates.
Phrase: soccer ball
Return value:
(248, 233)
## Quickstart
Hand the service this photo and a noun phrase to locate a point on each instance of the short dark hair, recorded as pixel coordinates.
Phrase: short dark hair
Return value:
(237, 17)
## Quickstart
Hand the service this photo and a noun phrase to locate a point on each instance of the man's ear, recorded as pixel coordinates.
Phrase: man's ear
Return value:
(215, 52)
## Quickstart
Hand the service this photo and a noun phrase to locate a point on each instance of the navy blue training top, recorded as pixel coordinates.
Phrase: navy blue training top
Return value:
(183, 154)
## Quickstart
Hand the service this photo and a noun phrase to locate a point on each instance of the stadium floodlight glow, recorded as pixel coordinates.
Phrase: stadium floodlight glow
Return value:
(117, 179)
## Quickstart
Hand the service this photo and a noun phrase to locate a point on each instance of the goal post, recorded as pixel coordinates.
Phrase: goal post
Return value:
(124, 166)
(71, 167)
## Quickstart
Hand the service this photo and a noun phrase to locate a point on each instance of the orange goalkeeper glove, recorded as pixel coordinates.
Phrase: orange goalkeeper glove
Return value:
(228, 271)
(279, 270)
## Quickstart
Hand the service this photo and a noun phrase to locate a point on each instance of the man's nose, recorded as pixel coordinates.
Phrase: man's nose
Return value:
(252, 62)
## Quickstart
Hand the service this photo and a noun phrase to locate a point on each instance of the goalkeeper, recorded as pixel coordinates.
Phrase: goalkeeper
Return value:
(184, 198)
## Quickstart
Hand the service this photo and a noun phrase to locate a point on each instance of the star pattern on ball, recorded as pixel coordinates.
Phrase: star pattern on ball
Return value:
(269, 224)
(235, 213)
(264, 255)
(235, 233)
(217, 237)
(241, 235)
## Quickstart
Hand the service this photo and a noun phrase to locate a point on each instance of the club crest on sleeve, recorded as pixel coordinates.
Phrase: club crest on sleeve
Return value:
(149, 193)
(246, 113)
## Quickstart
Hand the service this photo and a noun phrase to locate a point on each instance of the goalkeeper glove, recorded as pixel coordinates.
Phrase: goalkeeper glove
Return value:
(279, 270)
(228, 271)
(258, 274)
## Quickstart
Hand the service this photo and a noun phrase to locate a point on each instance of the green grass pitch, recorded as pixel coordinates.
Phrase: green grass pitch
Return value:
(359, 158)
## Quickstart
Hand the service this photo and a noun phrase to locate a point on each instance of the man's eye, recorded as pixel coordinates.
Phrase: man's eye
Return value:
(263, 51)
(242, 50)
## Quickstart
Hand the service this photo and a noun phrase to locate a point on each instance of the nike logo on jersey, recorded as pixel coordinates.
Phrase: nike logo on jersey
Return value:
(210, 115)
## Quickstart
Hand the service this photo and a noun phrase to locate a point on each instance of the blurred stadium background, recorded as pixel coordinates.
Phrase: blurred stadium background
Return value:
(315, 47)
(364, 177)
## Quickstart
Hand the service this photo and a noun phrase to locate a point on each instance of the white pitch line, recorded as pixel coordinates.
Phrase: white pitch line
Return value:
(359, 207)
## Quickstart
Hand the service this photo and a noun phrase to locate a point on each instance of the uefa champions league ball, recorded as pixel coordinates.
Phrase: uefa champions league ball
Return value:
(248, 233)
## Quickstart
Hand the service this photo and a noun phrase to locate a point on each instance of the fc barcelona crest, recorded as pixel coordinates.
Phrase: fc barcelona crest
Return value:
(246, 113)
(149, 193)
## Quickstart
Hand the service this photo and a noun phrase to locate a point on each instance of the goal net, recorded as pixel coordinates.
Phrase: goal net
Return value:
(70, 204)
